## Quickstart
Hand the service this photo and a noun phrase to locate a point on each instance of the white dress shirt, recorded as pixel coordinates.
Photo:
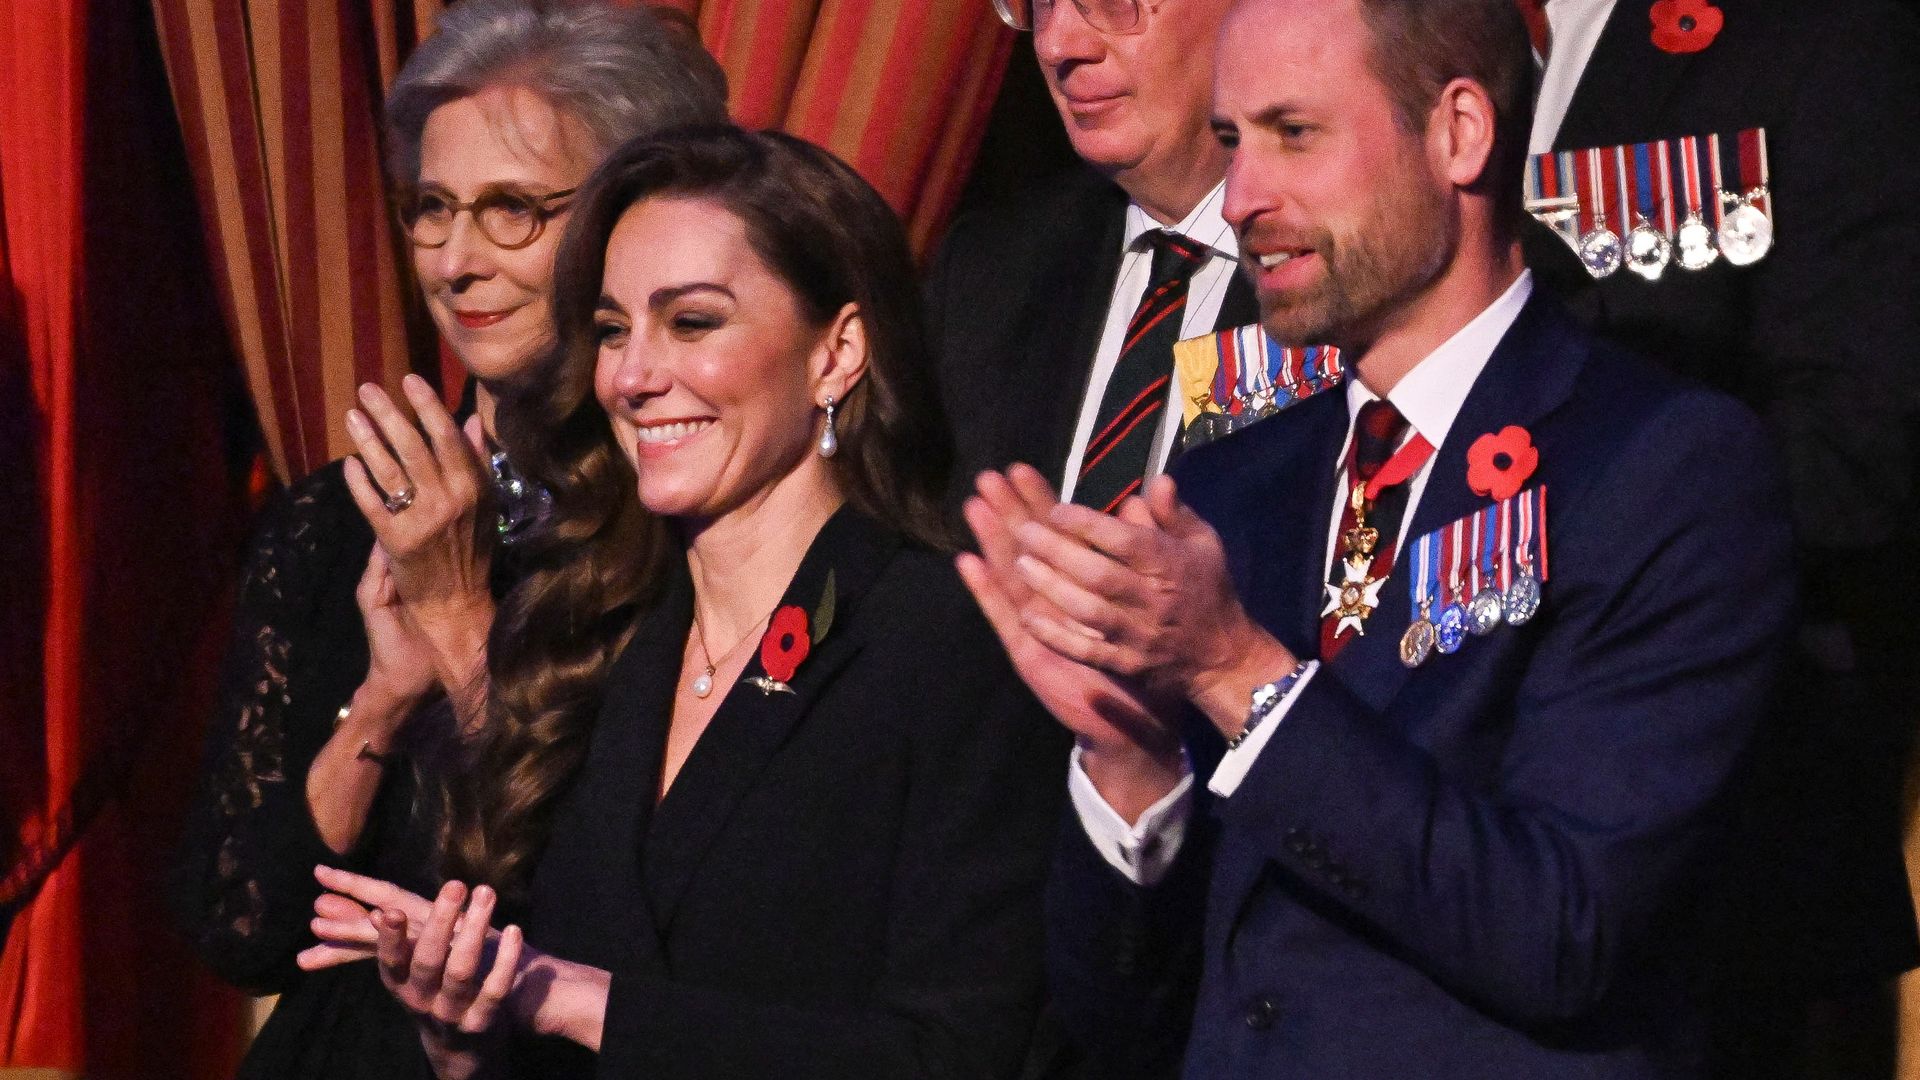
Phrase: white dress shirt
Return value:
(1429, 397)
(1575, 26)
(1205, 293)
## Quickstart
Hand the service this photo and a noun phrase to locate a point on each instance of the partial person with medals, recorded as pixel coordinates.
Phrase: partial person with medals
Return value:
(1405, 718)
(1755, 157)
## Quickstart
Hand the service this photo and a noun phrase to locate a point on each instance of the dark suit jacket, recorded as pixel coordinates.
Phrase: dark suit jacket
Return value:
(843, 881)
(1482, 867)
(1822, 339)
(1016, 302)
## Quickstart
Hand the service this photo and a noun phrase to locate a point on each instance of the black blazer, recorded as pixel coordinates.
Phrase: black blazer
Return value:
(1822, 339)
(843, 881)
(1016, 302)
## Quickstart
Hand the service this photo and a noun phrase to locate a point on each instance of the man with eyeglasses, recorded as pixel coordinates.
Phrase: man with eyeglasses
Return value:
(1054, 316)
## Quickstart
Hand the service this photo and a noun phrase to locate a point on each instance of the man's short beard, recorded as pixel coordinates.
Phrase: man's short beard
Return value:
(1405, 242)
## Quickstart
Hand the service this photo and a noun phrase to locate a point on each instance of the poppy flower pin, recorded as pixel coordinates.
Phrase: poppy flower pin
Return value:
(1500, 463)
(791, 635)
(1685, 26)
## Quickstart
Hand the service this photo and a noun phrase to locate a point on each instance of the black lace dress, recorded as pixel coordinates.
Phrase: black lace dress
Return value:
(243, 883)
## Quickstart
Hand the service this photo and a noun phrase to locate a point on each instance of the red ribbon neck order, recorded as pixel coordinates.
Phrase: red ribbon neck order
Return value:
(1403, 464)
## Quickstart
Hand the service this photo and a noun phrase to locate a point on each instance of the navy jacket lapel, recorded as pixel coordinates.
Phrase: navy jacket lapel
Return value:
(1529, 375)
(750, 726)
(1268, 489)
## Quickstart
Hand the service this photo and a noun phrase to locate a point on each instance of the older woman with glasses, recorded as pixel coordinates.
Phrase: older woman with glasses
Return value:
(371, 585)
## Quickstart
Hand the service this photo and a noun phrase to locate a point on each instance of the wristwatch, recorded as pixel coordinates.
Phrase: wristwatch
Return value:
(1266, 697)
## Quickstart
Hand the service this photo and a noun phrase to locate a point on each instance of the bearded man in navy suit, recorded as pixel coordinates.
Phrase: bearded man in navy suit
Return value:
(1389, 765)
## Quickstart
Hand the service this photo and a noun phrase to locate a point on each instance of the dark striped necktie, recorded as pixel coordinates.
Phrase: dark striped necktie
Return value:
(1115, 462)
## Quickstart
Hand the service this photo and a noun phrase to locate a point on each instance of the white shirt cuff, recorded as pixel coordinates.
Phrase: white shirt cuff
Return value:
(1144, 850)
(1239, 760)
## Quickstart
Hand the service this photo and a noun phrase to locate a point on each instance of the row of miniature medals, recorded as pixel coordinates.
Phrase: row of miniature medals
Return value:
(1238, 377)
(1469, 577)
(1692, 200)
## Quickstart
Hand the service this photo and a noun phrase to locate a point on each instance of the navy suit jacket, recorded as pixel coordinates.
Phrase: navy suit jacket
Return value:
(1482, 867)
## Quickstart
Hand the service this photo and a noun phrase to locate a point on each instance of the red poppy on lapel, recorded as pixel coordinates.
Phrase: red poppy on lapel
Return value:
(1685, 26)
(789, 638)
(786, 643)
(1498, 465)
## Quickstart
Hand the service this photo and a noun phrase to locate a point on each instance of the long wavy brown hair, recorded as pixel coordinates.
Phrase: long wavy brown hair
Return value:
(599, 556)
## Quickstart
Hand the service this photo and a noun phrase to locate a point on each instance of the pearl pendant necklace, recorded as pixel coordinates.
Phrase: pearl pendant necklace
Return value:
(702, 684)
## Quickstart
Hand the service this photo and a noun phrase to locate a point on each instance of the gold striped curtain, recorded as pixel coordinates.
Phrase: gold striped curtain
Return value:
(899, 88)
(278, 102)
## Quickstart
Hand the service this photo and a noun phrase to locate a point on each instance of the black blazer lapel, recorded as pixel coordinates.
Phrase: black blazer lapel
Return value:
(751, 725)
(614, 803)
(1530, 374)
(1086, 267)
(1625, 86)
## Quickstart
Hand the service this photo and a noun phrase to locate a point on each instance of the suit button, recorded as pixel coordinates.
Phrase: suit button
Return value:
(1355, 890)
(1260, 1014)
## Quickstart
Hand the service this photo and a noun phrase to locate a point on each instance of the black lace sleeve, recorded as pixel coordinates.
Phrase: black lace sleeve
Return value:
(243, 883)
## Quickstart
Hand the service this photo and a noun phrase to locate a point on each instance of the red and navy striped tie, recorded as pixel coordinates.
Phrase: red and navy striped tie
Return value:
(1115, 462)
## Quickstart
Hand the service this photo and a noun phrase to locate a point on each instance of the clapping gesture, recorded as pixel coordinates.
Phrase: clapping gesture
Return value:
(424, 497)
(1115, 720)
(461, 979)
(442, 960)
(1110, 617)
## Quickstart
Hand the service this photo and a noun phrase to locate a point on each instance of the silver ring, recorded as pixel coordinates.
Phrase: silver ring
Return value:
(401, 498)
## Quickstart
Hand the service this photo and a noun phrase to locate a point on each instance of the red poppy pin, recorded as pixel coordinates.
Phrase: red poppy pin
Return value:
(1685, 26)
(790, 636)
(1499, 464)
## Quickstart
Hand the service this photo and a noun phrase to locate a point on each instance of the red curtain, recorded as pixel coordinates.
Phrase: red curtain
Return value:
(899, 88)
(117, 530)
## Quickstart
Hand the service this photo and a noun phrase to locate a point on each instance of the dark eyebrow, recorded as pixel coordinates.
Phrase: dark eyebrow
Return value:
(667, 295)
(1274, 116)
(608, 305)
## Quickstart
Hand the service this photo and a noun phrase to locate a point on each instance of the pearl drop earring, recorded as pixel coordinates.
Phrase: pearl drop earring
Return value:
(829, 442)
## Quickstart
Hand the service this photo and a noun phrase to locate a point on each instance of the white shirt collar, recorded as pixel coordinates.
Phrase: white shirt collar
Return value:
(1431, 394)
(1204, 224)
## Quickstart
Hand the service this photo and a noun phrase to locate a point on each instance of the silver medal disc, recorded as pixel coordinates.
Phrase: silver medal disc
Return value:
(1450, 629)
(1648, 251)
(1523, 598)
(1484, 612)
(1417, 643)
(1600, 250)
(1745, 235)
(1696, 244)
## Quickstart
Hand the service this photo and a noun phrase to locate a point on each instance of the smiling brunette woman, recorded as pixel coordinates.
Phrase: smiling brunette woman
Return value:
(361, 604)
(800, 809)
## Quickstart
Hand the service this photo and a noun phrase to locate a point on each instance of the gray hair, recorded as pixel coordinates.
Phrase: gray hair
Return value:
(620, 72)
